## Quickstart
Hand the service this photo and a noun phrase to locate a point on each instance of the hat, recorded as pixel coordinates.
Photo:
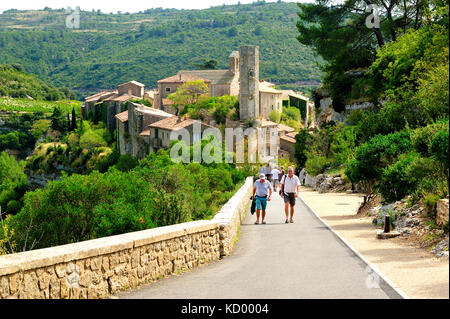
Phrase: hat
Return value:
(262, 175)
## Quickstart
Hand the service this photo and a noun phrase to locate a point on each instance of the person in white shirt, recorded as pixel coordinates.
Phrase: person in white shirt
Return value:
(275, 173)
(290, 187)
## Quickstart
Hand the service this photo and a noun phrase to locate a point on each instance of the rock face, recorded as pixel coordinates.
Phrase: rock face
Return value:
(325, 183)
(442, 212)
(441, 249)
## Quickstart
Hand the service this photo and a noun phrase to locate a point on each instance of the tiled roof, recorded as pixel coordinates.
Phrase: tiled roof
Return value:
(292, 134)
(145, 132)
(287, 139)
(133, 82)
(268, 87)
(181, 78)
(215, 76)
(282, 127)
(269, 90)
(265, 123)
(99, 96)
(122, 117)
(288, 93)
(121, 98)
(174, 123)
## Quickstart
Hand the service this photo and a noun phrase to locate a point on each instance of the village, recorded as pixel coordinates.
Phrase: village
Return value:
(142, 129)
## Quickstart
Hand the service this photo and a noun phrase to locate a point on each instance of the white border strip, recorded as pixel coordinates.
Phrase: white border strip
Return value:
(372, 266)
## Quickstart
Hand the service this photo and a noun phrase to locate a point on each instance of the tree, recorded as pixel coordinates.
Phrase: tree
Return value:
(58, 120)
(301, 147)
(189, 93)
(208, 65)
(13, 183)
(373, 156)
(439, 150)
(341, 34)
(73, 125)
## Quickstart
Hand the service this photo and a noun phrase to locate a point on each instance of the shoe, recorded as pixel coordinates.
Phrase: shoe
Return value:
(286, 221)
(263, 222)
(256, 223)
(292, 220)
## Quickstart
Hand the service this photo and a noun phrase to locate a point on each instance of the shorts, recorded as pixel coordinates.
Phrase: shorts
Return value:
(261, 203)
(289, 198)
(275, 182)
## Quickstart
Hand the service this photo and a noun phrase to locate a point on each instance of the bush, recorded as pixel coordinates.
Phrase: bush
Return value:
(126, 163)
(394, 183)
(155, 193)
(275, 116)
(316, 165)
(431, 204)
(376, 154)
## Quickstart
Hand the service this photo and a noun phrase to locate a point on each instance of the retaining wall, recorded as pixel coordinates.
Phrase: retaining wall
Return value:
(100, 267)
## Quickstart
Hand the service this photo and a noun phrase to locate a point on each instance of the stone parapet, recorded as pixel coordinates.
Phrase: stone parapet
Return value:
(231, 215)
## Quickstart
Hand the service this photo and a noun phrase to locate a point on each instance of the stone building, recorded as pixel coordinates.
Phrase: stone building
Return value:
(270, 99)
(158, 134)
(130, 125)
(220, 82)
(105, 105)
(142, 129)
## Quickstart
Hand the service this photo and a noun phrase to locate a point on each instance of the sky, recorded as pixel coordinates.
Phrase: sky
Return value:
(131, 6)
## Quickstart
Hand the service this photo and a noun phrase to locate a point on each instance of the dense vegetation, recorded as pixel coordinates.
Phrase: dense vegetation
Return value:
(156, 192)
(400, 146)
(109, 49)
(16, 83)
(345, 36)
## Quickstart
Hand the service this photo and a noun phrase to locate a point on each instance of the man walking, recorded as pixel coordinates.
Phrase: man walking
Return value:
(290, 187)
(275, 175)
(263, 191)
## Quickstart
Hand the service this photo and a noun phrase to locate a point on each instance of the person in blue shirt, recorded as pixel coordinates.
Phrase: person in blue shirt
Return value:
(262, 191)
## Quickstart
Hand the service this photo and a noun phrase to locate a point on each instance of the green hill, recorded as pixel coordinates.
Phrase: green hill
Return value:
(16, 83)
(109, 49)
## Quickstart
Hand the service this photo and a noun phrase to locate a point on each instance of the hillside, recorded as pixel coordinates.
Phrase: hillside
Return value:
(16, 83)
(112, 48)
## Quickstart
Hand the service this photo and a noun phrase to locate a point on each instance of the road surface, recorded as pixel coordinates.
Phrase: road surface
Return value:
(276, 260)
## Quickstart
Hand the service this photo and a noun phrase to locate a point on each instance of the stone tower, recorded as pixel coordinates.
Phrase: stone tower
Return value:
(248, 82)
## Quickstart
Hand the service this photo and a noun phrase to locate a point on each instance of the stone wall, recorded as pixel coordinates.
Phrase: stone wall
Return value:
(101, 267)
(442, 212)
(231, 215)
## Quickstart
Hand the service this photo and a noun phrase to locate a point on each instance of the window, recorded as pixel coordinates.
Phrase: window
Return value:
(167, 89)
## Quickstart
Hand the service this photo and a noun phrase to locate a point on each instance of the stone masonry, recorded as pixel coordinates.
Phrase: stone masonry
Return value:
(249, 82)
(442, 212)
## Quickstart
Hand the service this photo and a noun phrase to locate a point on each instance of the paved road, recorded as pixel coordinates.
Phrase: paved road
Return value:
(275, 260)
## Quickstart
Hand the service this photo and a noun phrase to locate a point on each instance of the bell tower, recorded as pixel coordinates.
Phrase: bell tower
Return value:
(248, 82)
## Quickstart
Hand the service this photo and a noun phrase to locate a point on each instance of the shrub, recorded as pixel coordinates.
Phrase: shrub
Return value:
(394, 183)
(275, 116)
(431, 204)
(316, 165)
(126, 163)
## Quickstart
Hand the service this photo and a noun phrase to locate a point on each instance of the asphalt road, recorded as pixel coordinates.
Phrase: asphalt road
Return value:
(276, 260)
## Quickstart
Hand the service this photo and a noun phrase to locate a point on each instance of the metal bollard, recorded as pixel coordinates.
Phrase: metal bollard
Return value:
(387, 224)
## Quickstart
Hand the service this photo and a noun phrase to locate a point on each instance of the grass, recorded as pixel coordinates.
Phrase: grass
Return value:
(32, 106)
